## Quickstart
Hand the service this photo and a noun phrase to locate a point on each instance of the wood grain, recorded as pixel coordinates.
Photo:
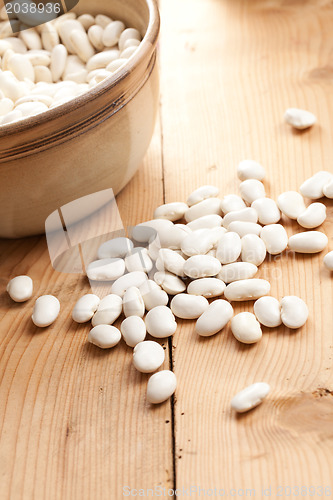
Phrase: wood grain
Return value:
(74, 420)
(229, 70)
(75, 423)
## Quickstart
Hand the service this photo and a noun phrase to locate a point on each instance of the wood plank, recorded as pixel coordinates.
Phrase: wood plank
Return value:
(75, 423)
(229, 70)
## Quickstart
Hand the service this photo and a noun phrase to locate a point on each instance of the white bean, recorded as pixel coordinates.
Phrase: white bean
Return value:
(133, 330)
(78, 77)
(20, 288)
(215, 318)
(148, 356)
(149, 230)
(291, 204)
(103, 20)
(251, 190)
(39, 57)
(247, 214)
(237, 271)
(253, 249)
(12, 117)
(127, 53)
(43, 74)
(206, 222)
(268, 311)
(328, 260)
(171, 211)
(242, 228)
(246, 328)
(275, 238)
(198, 242)
(16, 44)
(86, 20)
(31, 39)
(294, 311)
(169, 282)
(106, 269)
(160, 322)
(173, 262)
(104, 336)
(133, 304)
(65, 29)
(308, 242)
(46, 310)
(202, 266)
(232, 202)
(250, 397)
(138, 260)
(131, 42)
(6, 106)
(249, 289)
(228, 248)
(6, 45)
(161, 386)
(10, 86)
(95, 35)
(202, 193)
(153, 295)
(186, 306)
(250, 169)
(21, 67)
(128, 34)
(267, 210)
(328, 189)
(314, 216)
(299, 118)
(313, 187)
(112, 33)
(207, 287)
(120, 286)
(205, 207)
(115, 248)
(50, 37)
(31, 108)
(108, 310)
(85, 308)
(81, 44)
(102, 59)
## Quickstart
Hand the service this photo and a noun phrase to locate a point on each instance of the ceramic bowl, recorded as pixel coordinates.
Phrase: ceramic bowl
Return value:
(94, 142)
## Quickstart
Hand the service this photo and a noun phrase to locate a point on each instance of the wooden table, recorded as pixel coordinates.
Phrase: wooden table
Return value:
(74, 420)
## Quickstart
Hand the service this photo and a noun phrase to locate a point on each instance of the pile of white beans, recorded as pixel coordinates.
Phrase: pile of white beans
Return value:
(214, 252)
(44, 67)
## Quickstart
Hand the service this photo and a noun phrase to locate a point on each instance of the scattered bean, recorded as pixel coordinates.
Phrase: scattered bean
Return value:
(160, 322)
(215, 318)
(246, 328)
(249, 169)
(268, 311)
(299, 118)
(20, 288)
(46, 310)
(248, 289)
(294, 311)
(104, 336)
(250, 397)
(148, 356)
(133, 330)
(308, 242)
(161, 386)
(85, 308)
(188, 306)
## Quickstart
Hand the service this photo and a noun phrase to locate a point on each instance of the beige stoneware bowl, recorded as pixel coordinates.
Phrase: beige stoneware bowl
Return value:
(94, 142)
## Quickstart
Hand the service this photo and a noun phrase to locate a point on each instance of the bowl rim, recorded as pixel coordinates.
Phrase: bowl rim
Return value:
(145, 49)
